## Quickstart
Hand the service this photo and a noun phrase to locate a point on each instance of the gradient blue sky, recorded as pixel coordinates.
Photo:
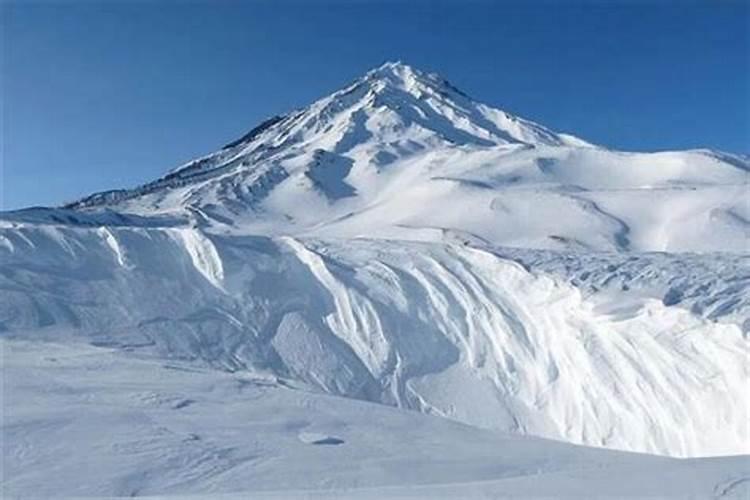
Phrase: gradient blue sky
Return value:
(106, 95)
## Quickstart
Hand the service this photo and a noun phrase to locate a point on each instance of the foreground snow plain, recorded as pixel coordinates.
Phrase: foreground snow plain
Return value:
(89, 421)
(396, 291)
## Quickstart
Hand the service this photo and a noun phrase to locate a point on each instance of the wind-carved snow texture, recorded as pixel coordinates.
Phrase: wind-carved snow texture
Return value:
(441, 328)
(398, 243)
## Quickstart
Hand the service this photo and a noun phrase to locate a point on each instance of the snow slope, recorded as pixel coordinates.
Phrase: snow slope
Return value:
(399, 243)
(85, 421)
(444, 329)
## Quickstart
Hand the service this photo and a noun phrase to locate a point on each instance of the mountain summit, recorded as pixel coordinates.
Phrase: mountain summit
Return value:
(458, 118)
(400, 153)
(392, 111)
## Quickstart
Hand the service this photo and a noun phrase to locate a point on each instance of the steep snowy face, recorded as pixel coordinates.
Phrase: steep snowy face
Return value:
(444, 329)
(399, 104)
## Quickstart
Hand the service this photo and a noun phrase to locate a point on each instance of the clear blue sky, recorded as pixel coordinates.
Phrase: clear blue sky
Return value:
(106, 95)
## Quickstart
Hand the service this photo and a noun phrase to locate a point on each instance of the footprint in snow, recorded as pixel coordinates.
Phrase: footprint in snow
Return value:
(182, 403)
(320, 439)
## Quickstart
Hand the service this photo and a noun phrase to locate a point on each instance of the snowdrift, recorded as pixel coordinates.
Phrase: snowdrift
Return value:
(96, 422)
(444, 329)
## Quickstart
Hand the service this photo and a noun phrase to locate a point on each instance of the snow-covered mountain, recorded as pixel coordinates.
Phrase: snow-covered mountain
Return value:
(400, 243)
(403, 154)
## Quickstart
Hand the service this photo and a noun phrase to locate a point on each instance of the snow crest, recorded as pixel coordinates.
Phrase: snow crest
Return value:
(444, 329)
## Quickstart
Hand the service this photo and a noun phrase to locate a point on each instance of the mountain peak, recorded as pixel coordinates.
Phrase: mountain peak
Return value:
(391, 66)
(402, 76)
(394, 71)
(391, 114)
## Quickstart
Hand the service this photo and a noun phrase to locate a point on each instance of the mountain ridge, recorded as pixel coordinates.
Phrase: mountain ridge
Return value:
(384, 155)
(378, 87)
